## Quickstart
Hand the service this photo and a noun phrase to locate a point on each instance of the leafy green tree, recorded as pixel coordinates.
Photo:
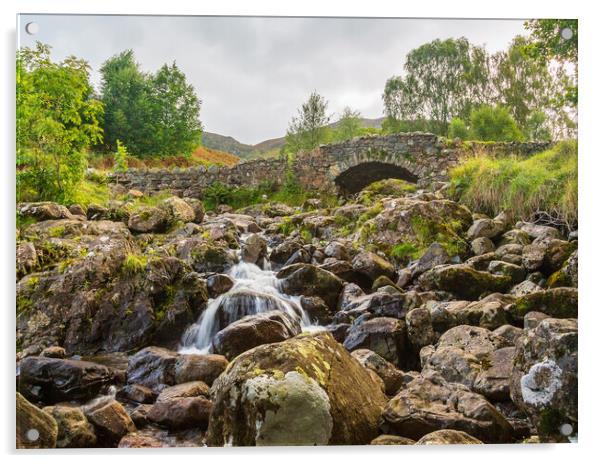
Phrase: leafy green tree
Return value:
(57, 121)
(493, 123)
(442, 78)
(537, 127)
(531, 89)
(126, 94)
(308, 129)
(521, 83)
(176, 111)
(457, 129)
(548, 44)
(394, 125)
(154, 115)
(349, 125)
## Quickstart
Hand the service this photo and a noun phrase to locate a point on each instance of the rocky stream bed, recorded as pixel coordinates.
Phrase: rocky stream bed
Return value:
(395, 317)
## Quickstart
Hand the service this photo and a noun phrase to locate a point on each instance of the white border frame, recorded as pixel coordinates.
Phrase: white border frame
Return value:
(590, 165)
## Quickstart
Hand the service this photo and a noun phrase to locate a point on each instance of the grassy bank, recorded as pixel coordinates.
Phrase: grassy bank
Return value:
(545, 182)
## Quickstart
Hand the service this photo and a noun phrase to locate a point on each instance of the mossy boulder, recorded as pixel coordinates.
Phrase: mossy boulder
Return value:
(415, 223)
(178, 209)
(567, 275)
(149, 220)
(429, 403)
(372, 266)
(45, 210)
(544, 377)
(111, 422)
(198, 209)
(309, 280)
(304, 391)
(101, 303)
(463, 281)
(74, 430)
(205, 256)
(31, 419)
(555, 302)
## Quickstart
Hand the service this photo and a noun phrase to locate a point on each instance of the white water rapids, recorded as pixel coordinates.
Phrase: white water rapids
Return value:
(254, 291)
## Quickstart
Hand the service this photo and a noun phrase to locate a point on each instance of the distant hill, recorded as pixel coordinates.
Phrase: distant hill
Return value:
(265, 148)
(228, 144)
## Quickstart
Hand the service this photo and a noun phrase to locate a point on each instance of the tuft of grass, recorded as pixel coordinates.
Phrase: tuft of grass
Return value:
(57, 232)
(544, 182)
(91, 192)
(134, 264)
(404, 252)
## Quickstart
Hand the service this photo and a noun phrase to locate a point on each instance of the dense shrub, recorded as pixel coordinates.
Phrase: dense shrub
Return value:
(544, 182)
(493, 123)
(457, 129)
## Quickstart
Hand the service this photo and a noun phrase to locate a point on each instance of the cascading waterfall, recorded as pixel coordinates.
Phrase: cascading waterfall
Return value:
(254, 291)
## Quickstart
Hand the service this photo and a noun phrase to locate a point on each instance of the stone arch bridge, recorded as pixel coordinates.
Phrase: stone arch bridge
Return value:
(344, 168)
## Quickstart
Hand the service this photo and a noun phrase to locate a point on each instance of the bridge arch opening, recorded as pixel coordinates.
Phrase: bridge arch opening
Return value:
(358, 177)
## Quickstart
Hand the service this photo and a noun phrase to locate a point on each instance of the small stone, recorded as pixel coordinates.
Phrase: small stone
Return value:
(482, 245)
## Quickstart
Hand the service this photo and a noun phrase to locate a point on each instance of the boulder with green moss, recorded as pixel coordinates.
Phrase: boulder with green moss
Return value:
(373, 266)
(416, 223)
(567, 275)
(149, 220)
(463, 281)
(555, 302)
(178, 209)
(109, 300)
(36, 429)
(304, 391)
(204, 255)
(74, 430)
(309, 280)
(45, 210)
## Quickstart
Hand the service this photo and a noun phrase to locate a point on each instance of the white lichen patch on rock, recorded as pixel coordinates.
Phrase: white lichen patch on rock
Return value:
(541, 383)
(297, 410)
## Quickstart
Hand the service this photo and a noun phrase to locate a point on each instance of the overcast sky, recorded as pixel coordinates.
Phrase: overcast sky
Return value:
(253, 73)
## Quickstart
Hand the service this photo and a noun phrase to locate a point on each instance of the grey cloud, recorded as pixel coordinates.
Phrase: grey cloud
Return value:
(253, 73)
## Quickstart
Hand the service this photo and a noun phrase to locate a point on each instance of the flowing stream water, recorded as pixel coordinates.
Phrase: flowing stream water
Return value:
(255, 291)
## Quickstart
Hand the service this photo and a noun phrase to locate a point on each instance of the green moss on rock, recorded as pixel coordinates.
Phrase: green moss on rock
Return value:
(556, 302)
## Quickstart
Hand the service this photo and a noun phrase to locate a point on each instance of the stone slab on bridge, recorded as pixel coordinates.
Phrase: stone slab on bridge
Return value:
(343, 168)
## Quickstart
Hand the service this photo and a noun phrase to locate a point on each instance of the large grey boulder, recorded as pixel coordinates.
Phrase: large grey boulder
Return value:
(304, 391)
(429, 403)
(544, 377)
